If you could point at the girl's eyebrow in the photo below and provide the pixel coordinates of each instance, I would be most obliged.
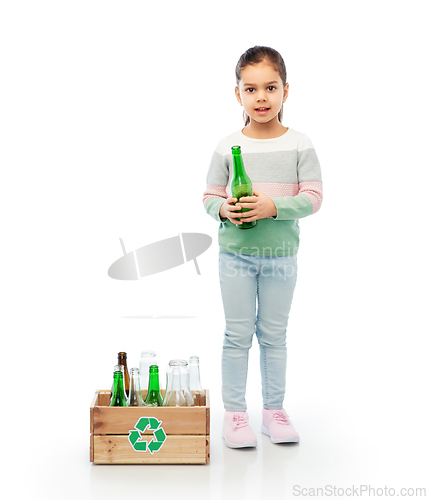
(254, 84)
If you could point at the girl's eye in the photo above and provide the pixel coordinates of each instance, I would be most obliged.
(250, 89)
(271, 88)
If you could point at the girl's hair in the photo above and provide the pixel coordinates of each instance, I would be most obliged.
(255, 55)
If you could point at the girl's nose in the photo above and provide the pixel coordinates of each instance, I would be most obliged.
(261, 96)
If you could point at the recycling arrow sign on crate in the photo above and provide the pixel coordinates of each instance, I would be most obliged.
(151, 424)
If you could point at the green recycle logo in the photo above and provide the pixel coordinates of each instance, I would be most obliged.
(152, 424)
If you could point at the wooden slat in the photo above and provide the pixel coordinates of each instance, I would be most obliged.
(104, 398)
(208, 449)
(94, 403)
(119, 420)
(176, 450)
(91, 448)
(95, 399)
(208, 412)
(101, 396)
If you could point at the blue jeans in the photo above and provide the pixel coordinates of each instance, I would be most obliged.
(247, 282)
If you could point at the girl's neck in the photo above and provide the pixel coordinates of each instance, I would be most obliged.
(264, 131)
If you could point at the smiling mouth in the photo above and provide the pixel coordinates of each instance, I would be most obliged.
(262, 111)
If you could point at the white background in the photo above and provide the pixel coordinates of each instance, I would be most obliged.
(109, 115)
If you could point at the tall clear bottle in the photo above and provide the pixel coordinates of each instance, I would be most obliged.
(197, 391)
(122, 360)
(240, 184)
(154, 398)
(177, 386)
(135, 398)
(118, 397)
(147, 359)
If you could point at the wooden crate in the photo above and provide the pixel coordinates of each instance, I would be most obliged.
(173, 435)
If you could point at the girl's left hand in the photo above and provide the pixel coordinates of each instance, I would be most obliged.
(261, 206)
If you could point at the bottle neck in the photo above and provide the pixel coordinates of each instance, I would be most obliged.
(118, 388)
(134, 380)
(238, 167)
(195, 376)
(240, 178)
(153, 383)
(122, 359)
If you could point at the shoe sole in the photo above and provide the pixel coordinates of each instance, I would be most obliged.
(287, 439)
(246, 444)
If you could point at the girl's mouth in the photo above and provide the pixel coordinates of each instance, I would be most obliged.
(262, 111)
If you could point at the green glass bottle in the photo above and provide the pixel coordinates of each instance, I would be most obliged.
(154, 398)
(118, 397)
(240, 184)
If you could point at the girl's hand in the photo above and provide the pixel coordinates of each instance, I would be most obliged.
(228, 209)
(262, 207)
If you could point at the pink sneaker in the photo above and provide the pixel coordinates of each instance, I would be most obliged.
(276, 424)
(236, 431)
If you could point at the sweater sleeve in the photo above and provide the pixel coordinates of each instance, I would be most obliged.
(217, 180)
(310, 190)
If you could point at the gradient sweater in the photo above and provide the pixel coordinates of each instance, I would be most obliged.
(287, 170)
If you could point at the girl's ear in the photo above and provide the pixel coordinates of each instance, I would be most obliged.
(285, 92)
(237, 93)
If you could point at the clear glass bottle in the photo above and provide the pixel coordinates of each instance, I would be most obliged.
(177, 390)
(135, 398)
(147, 359)
(154, 398)
(118, 397)
(196, 389)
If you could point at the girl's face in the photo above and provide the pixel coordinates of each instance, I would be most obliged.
(261, 92)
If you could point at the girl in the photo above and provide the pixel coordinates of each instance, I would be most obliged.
(258, 266)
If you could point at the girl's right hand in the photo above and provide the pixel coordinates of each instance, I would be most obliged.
(228, 209)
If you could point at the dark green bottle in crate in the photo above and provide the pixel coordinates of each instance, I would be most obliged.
(118, 398)
(154, 398)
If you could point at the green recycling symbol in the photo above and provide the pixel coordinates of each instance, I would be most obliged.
(152, 424)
